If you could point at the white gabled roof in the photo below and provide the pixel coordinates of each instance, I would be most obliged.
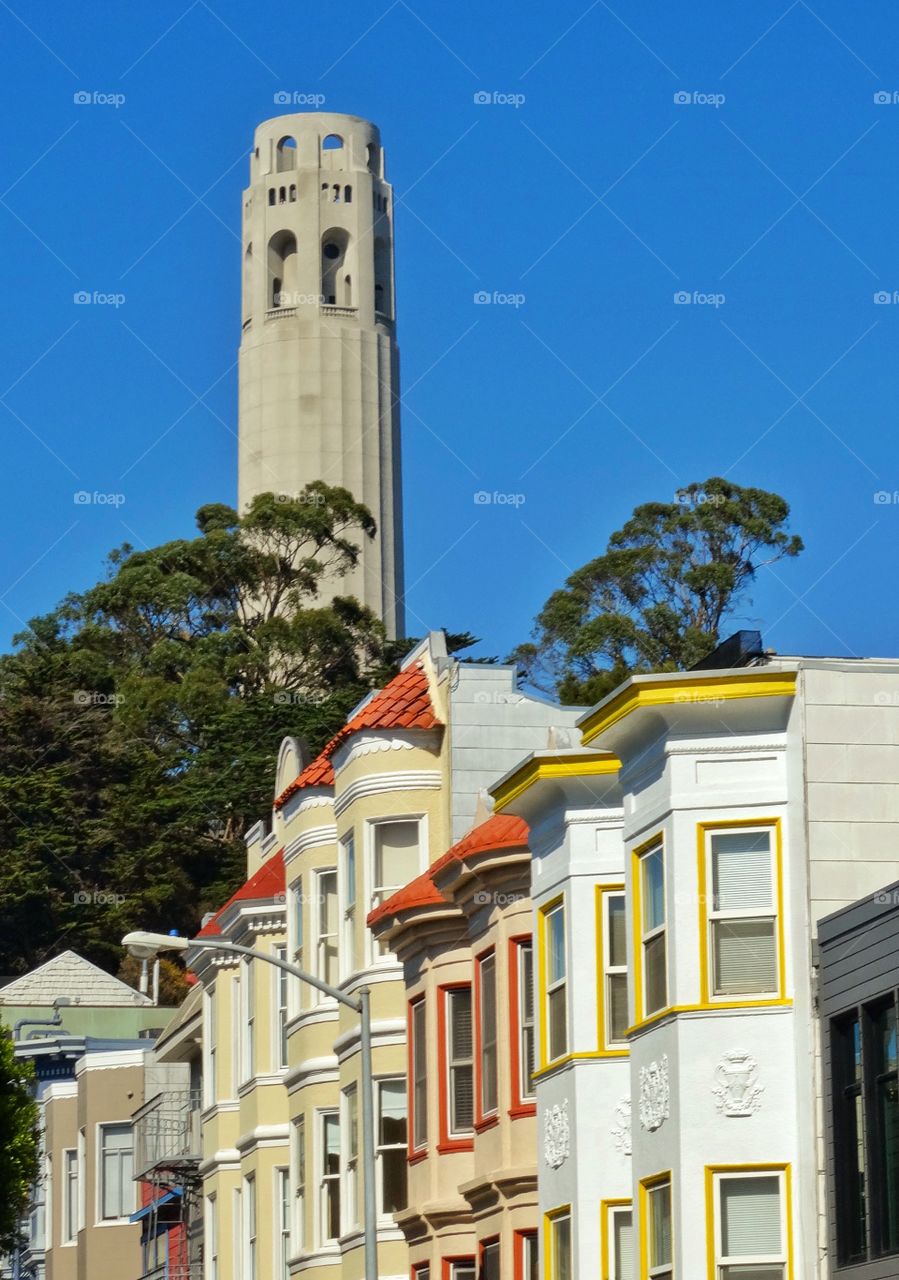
(70, 975)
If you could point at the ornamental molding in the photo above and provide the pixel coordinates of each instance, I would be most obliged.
(748, 749)
(655, 1094)
(366, 744)
(621, 1130)
(556, 1134)
(736, 1087)
(310, 839)
(320, 798)
(378, 783)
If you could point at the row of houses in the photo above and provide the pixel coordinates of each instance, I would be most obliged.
(633, 972)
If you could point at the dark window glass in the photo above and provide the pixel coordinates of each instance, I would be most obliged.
(886, 1094)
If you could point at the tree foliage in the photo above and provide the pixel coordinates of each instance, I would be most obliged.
(139, 722)
(657, 598)
(18, 1142)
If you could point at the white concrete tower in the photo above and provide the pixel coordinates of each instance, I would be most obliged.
(319, 379)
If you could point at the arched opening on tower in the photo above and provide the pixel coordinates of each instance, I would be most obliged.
(372, 156)
(382, 276)
(247, 282)
(348, 195)
(333, 142)
(335, 244)
(282, 270)
(286, 154)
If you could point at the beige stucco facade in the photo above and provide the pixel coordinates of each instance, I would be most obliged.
(319, 382)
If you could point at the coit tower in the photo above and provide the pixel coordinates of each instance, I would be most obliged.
(319, 383)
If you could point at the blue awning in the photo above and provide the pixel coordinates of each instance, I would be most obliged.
(154, 1204)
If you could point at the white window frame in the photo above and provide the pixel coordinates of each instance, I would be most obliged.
(377, 952)
(454, 1063)
(713, 915)
(283, 1233)
(662, 1270)
(418, 1138)
(210, 1239)
(609, 970)
(298, 1157)
(323, 1179)
(68, 1225)
(296, 936)
(558, 984)
(387, 1146)
(82, 1179)
(760, 1260)
(319, 968)
(248, 1020)
(524, 957)
(347, 887)
(237, 1226)
(250, 1228)
(209, 1046)
(280, 1008)
(459, 1269)
(236, 1018)
(488, 1037)
(529, 1251)
(650, 935)
(619, 1211)
(349, 1158)
(100, 1179)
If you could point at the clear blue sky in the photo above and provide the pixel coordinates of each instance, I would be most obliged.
(597, 197)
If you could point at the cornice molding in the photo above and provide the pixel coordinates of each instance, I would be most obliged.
(373, 784)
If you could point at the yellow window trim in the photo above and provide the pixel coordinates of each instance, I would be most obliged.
(707, 1001)
(601, 891)
(711, 1171)
(749, 684)
(644, 1187)
(551, 1068)
(573, 766)
(542, 912)
(564, 1210)
(604, 1234)
(637, 927)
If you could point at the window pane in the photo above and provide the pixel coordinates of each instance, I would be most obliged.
(460, 1023)
(750, 1217)
(393, 1173)
(490, 1262)
(888, 1117)
(660, 1226)
(488, 1035)
(558, 1030)
(530, 1254)
(656, 974)
(751, 1272)
(555, 945)
(884, 1027)
(623, 1245)
(617, 1013)
(331, 1143)
(349, 846)
(561, 1249)
(327, 887)
(393, 1111)
(741, 870)
(653, 890)
(744, 955)
(617, 927)
(396, 853)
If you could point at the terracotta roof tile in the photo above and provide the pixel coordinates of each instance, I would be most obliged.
(268, 882)
(404, 703)
(502, 831)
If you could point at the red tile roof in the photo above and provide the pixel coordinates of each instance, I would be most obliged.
(268, 882)
(502, 831)
(404, 703)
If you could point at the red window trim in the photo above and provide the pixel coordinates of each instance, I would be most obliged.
(415, 1153)
(445, 1142)
(467, 1258)
(484, 1120)
(418, 1268)
(518, 1241)
(520, 1106)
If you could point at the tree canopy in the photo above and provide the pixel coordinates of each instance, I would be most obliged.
(656, 599)
(18, 1142)
(139, 722)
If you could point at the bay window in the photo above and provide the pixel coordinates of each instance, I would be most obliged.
(392, 1149)
(348, 913)
(524, 1059)
(487, 1046)
(280, 979)
(116, 1171)
(742, 871)
(613, 977)
(419, 1059)
(329, 1177)
(395, 860)
(326, 931)
(459, 1064)
(750, 1225)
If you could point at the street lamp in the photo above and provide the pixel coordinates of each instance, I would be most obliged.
(145, 946)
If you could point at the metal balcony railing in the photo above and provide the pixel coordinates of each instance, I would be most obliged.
(167, 1132)
(175, 1271)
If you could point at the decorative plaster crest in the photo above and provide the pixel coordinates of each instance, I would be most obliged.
(621, 1131)
(366, 744)
(655, 1094)
(556, 1134)
(736, 1088)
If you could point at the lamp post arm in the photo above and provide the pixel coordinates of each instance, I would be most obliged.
(211, 944)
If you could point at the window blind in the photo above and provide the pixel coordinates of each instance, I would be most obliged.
(741, 870)
(745, 954)
(750, 1217)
